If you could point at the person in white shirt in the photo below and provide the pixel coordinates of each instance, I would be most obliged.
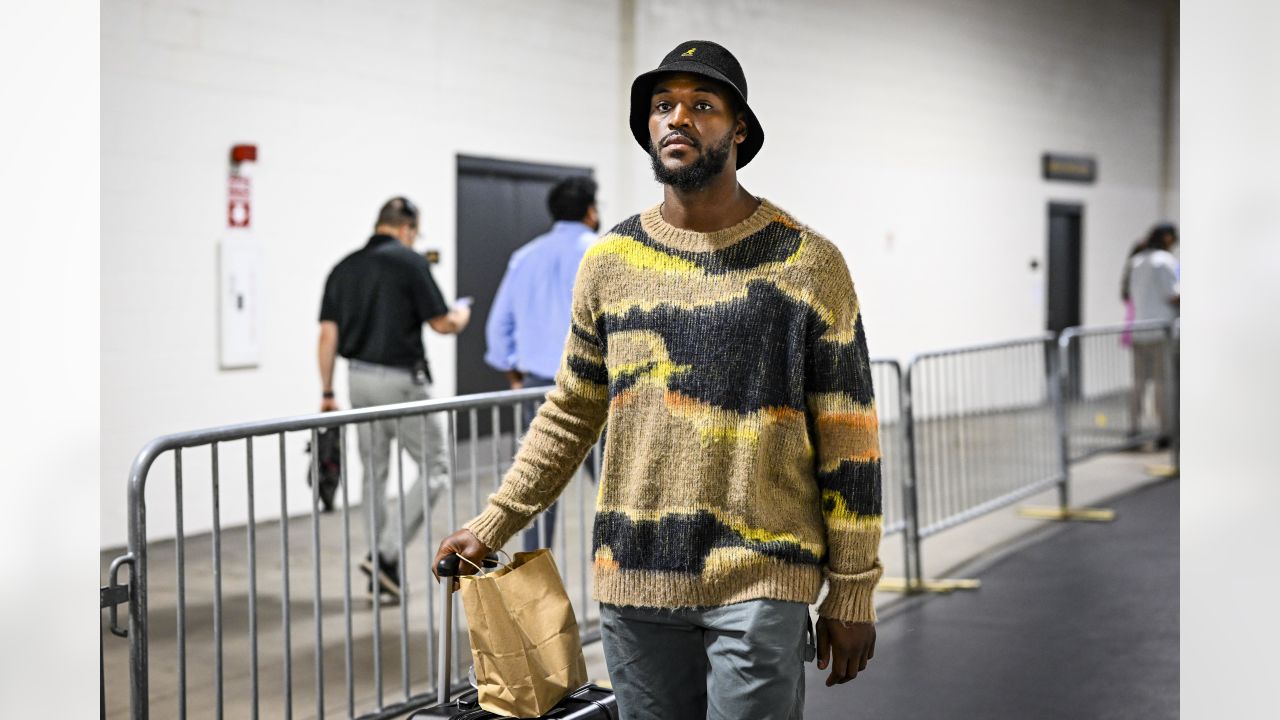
(1153, 286)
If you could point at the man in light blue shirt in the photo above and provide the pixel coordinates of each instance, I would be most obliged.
(529, 320)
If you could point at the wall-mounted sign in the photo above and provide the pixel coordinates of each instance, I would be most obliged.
(238, 201)
(239, 187)
(240, 292)
(1073, 168)
(239, 269)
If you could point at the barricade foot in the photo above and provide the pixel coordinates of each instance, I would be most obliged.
(944, 585)
(1041, 512)
(1162, 471)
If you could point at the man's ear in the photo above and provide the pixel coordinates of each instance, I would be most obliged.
(740, 128)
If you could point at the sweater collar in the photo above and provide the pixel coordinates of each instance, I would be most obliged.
(667, 234)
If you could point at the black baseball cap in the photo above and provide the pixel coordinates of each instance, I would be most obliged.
(710, 60)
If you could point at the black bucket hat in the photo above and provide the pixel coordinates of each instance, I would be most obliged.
(698, 57)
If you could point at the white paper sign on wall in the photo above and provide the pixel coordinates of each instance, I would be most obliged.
(239, 268)
(240, 271)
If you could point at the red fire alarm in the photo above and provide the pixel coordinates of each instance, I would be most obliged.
(244, 153)
(239, 187)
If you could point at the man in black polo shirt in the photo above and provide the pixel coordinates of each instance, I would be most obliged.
(375, 302)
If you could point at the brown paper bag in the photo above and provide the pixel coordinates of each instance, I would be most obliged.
(524, 636)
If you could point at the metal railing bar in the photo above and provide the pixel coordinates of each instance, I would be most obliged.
(316, 599)
(182, 584)
(961, 381)
(348, 651)
(952, 471)
(425, 469)
(582, 540)
(588, 531)
(217, 584)
(253, 580)
(1173, 389)
(139, 688)
(1033, 339)
(562, 512)
(925, 441)
(1061, 395)
(944, 475)
(115, 594)
(1083, 331)
(452, 418)
(1027, 421)
(401, 569)
(473, 432)
(371, 499)
(240, 431)
(284, 583)
(910, 479)
(1121, 371)
(495, 420)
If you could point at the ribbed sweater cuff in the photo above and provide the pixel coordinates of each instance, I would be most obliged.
(851, 597)
(495, 526)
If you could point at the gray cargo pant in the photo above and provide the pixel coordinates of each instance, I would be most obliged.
(381, 385)
(721, 663)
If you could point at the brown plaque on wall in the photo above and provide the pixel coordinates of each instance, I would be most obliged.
(1073, 168)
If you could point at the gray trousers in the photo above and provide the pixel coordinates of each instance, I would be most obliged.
(724, 663)
(380, 385)
(1149, 367)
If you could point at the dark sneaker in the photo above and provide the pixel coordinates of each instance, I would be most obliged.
(387, 576)
(1163, 443)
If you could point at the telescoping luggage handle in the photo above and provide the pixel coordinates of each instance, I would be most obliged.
(448, 568)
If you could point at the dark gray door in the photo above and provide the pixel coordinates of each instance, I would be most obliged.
(1066, 227)
(502, 205)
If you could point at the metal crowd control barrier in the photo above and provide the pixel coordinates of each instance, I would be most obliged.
(980, 426)
(1106, 372)
(235, 457)
(238, 695)
(886, 380)
(964, 432)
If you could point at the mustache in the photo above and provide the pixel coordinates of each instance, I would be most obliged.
(681, 133)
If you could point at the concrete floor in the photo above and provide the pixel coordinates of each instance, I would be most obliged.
(1093, 481)
(1079, 620)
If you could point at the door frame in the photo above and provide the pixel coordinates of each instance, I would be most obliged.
(477, 165)
(1070, 207)
(1053, 360)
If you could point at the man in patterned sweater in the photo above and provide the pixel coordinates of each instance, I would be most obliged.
(720, 339)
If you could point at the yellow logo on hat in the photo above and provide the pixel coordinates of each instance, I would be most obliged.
(688, 52)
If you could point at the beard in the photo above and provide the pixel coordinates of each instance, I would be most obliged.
(698, 175)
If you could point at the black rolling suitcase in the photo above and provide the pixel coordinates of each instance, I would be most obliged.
(589, 702)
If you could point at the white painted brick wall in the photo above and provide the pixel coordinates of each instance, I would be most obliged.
(909, 133)
(349, 104)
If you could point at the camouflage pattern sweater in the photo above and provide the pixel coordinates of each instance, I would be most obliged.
(743, 456)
